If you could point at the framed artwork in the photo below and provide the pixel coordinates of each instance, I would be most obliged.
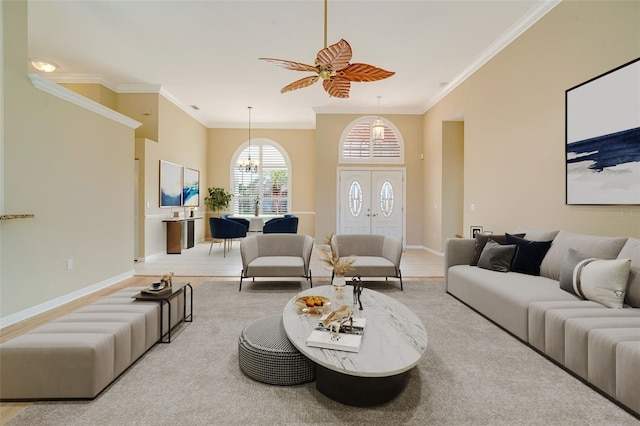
(191, 187)
(476, 230)
(170, 184)
(602, 133)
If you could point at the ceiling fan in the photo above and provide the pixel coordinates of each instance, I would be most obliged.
(333, 66)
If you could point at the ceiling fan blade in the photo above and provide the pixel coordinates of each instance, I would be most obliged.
(337, 55)
(364, 72)
(337, 87)
(290, 65)
(300, 84)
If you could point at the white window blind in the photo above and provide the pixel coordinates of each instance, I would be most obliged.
(269, 186)
(358, 145)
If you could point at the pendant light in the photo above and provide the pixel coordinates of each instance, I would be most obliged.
(249, 166)
(378, 127)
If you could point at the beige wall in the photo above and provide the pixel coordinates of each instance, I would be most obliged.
(329, 128)
(299, 145)
(142, 107)
(94, 91)
(453, 179)
(74, 171)
(514, 167)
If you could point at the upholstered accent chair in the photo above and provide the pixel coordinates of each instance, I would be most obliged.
(281, 225)
(226, 230)
(276, 255)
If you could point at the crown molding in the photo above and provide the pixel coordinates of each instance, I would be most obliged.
(58, 91)
(80, 79)
(138, 88)
(531, 17)
(123, 88)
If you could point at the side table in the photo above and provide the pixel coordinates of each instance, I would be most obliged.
(177, 289)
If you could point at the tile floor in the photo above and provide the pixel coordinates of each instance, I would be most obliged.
(415, 263)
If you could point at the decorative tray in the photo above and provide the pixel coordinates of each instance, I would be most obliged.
(312, 305)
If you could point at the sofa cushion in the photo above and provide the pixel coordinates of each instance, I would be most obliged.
(578, 334)
(628, 374)
(602, 365)
(529, 254)
(372, 266)
(594, 246)
(536, 234)
(497, 257)
(631, 250)
(538, 314)
(556, 320)
(276, 266)
(481, 241)
(56, 365)
(505, 297)
(359, 245)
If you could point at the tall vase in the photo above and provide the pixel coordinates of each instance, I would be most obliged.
(338, 285)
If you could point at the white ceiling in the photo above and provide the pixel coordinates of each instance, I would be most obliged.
(205, 53)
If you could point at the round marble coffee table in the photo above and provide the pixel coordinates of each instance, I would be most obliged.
(393, 342)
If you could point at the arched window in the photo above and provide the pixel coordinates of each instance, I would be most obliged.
(357, 144)
(268, 186)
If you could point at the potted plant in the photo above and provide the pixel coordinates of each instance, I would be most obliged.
(217, 199)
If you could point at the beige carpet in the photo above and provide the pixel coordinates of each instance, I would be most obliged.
(473, 373)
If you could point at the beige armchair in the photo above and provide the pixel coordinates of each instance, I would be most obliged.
(375, 255)
(276, 255)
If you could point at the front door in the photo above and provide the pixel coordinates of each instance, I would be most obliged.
(371, 201)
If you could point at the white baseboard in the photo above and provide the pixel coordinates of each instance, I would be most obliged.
(59, 301)
(432, 251)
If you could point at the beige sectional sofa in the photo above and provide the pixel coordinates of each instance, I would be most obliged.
(78, 355)
(276, 255)
(597, 343)
(375, 255)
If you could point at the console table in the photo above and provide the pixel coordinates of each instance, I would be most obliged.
(175, 241)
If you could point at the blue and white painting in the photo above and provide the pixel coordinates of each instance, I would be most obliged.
(191, 188)
(603, 139)
(170, 184)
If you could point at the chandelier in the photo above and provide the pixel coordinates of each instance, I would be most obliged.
(378, 127)
(247, 165)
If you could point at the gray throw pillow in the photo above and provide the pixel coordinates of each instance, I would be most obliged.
(481, 241)
(572, 260)
(497, 257)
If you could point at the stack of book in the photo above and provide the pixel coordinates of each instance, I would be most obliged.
(154, 290)
(349, 338)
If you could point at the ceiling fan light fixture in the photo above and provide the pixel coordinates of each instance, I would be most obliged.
(43, 65)
(378, 127)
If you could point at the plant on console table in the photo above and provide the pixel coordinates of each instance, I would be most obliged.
(339, 266)
(217, 199)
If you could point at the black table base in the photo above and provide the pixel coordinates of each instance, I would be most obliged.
(359, 391)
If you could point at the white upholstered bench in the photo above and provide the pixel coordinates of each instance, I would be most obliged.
(80, 354)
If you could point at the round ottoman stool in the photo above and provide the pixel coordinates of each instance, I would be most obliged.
(265, 354)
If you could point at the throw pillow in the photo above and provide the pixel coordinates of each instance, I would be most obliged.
(496, 257)
(572, 260)
(481, 240)
(529, 254)
(598, 280)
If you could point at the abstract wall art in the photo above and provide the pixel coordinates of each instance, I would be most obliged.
(170, 184)
(603, 138)
(191, 188)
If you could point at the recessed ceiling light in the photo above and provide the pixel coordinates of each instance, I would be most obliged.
(195, 107)
(443, 84)
(43, 65)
